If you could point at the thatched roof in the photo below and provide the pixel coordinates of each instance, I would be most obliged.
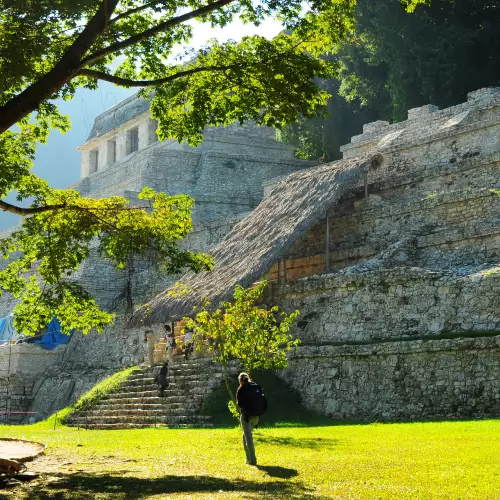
(254, 245)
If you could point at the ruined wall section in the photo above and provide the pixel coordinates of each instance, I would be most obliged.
(389, 304)
(405, 321)
(447, 378)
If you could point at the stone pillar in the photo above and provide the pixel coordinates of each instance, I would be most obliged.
(111, 151)
(144, 133)
(121, 145)
(84, 168)
(102, 155)
(152, 126)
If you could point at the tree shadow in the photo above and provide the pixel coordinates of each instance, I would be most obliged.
(82, 486)
(298, 442)
(277, 471)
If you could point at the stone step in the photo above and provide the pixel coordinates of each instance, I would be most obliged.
(153, 391)
(163, 407)
(136, 403)
(192, 381)
(140, 419)
(138, 412)
(104, 426)
(150, 400)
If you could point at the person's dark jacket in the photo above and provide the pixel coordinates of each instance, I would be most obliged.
(245, 397)
(161, 378)
(242, 396)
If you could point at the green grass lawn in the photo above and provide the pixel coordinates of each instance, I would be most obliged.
(452, 460)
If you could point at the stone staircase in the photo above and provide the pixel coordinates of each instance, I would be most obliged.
(136, 403)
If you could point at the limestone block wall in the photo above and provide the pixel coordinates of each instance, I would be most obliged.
(396, 344)
(441, 176)
(390, 304)
(404, 323)
(222, 184)
(459, 229)
(448, 378)
(21, 367)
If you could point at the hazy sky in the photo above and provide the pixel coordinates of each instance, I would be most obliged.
(58, 162)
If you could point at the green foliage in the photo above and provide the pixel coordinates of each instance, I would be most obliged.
(320, 138)
(491, 272)
(50, 48)
(241, 92)
(257, 336)
(55, 242)
(98, 392)
(391, 61)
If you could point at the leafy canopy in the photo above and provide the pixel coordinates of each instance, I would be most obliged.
(392, 62)
(49, 48)
(256, 335)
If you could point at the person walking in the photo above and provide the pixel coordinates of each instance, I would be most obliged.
(188, 344)
(161, 379)
(253, 403)
(150, 338)
(171, 345)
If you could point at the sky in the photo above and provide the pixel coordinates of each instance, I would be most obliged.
(58, 162)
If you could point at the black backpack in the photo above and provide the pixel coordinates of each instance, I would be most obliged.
(255, 400)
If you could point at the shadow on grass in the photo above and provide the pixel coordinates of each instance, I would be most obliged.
(298, 443)
(88, 486)
(277, 471)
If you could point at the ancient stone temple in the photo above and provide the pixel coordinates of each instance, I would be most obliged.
(225, 176)
(392, 255)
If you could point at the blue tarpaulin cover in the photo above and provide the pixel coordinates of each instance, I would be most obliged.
(7, 330)
(54, 336)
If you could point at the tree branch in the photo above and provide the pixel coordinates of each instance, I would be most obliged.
(24, 211)
(125, 82)
(41, 90)
(139, 37)
(132, 11)
(8, 207)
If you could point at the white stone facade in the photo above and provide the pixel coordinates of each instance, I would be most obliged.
(104, 151)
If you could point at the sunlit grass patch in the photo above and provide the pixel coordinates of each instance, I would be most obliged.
(445, 460)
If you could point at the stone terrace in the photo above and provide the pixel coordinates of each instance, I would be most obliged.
(137, 402)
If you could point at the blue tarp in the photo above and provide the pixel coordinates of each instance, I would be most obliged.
(7, 330)
(49, 340)
(54, 336)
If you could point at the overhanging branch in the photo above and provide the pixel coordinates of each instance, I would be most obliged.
(144, 35)
(8, 207)
(30, 98)
(126, 82)
(24, 211)
(128, 13)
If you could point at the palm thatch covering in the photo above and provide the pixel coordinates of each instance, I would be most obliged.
(254, 245)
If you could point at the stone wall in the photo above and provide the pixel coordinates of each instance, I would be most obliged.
(21, 367)
(448, 378)
(390, 304)
(402, 320)
(88, 360)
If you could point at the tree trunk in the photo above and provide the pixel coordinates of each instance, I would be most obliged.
(46, 86)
